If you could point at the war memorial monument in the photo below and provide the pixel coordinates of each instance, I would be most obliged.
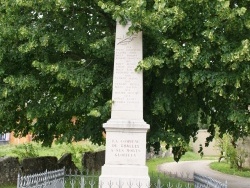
(125, 160)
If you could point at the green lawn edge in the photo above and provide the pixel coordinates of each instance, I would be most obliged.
(225, 168)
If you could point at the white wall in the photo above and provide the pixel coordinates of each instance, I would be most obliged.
(211, 150)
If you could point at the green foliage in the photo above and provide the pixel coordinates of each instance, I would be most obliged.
(77, 151)
(234, 155)
(56, 62)
(25, 151)
(53, 58)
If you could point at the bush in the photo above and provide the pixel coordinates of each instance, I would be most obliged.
(25, 151)
(233, 155)
(77, 151)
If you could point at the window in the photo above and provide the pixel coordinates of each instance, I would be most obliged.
(2, 137)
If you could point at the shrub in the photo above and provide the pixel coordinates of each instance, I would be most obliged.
(25, 151)
(234, 155)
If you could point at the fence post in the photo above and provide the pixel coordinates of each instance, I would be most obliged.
(18, 180)
(82, 181)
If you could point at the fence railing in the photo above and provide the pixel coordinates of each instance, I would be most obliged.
(201, 181)
(47, 179)
(76, 179)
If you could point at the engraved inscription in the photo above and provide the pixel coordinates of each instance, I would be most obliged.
(127, 83)
(125, 148)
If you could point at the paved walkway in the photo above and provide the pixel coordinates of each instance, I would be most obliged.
(202, 167)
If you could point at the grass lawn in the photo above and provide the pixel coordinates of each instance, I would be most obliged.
(225, 168)
(165, 179)
(8, 186)
(155, 175)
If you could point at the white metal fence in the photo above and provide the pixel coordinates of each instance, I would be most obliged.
(47, 179)
(76, 179)
(59, 179)
(201, 181)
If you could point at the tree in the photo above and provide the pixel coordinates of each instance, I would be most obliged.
(57, 61)
(54, 58)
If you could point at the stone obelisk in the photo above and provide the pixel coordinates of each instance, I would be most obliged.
(125, 160)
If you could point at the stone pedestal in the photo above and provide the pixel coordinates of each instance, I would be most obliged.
(125, 154)
(125, 160)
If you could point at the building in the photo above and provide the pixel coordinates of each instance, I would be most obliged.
(9, 138)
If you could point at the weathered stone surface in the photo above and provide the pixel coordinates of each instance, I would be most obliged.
(66, 161)
(244, 150)
(9, 167)
(39, 164)
(93, 160)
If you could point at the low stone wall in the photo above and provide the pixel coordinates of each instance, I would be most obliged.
(66, 162)
(38, 164)
(93, 161)
(9, 167)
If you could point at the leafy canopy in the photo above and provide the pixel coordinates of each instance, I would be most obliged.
(56, 62)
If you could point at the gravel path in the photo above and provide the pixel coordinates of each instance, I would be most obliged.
(202, 167)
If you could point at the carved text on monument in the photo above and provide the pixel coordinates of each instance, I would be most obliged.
(125, 148)
(126, 80)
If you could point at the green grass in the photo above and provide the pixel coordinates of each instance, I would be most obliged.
(165, 180)
(155, 175)
(225, 168)
(8, 186)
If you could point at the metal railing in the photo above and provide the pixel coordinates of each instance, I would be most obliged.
(76, 179)
(47, 179)
(201, 181)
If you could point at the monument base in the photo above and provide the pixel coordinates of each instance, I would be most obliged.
(125, 161)
(125, 176)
